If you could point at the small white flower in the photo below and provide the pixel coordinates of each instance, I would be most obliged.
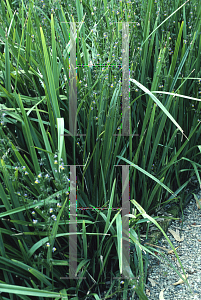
(35, 221)
(90, 64)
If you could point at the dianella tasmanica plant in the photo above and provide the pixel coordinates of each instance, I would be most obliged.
(86, 87)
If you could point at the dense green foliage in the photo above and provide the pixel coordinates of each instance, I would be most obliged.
(163, 153)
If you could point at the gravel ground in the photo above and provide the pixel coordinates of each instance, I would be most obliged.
(189, 251)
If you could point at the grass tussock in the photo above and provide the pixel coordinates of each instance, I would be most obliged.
(37, 150)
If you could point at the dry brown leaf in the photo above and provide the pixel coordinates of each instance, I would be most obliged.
(198, 202)
(161, 297)
(180, 280)
(157, 246)
(178, 264)
(171, 251)
(176, 235)
(153, 283)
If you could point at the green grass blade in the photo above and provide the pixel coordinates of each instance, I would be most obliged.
(51, 84)
(158, 103)
(21, 290)
(47, 144)
(146, 173)
(61, 144)
(28, 135)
